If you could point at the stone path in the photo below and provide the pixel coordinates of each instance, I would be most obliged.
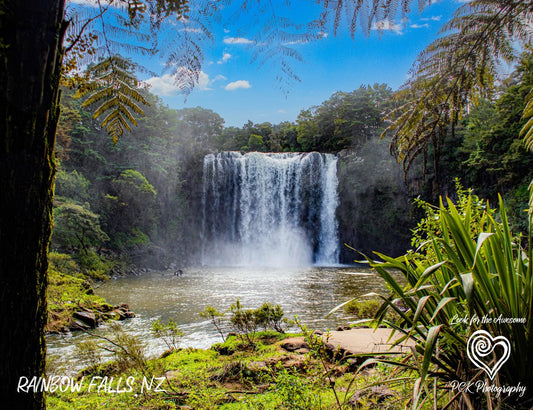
(355, 341)
(363, 340)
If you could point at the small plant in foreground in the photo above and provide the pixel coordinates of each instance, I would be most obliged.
(89, 352)
(169, 332)
(296, 392)
(270, 316)
(216, 318)
(244, 321)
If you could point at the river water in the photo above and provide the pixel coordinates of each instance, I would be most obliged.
(309, 293)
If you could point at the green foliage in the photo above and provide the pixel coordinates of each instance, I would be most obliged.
(244, 322)
(134, 182)
(429, 226)
(112, 86)
(169, 332)
(72, 185)
(69, 291)
(76, 227)
(270, 317)
(134, 199)
(247, 321)
(216, 319)
(89, 352)
(295, 392)
(346, 120)
(127, 349)
(455, 274)
(255, 143)
(94, 266)
(363, 309)
(454, 72)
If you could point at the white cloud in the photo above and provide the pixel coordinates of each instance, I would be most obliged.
(219, 77)
(387, 25)
(281, 111)
(432, 18)
(290, 43)
(167, 85)
(203, 81)
(164, 85)
(225, 57)
(425, 25)
(237, 84)
(237, 40)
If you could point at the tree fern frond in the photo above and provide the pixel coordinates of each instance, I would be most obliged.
(112, 85)
(454, 70)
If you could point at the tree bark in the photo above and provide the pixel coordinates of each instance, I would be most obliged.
(31, 36)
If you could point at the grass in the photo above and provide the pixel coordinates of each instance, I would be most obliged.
(266, 377)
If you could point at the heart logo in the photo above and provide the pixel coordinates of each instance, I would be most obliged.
(481, 344)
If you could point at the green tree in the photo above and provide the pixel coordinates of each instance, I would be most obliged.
(307, 129)
(255, 143)
(131, 209)
(72, 185)
(201, 127)
(76, 227)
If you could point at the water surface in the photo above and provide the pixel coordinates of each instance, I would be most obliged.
(309, 293)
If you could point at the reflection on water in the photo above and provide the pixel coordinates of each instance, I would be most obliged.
(309, 293)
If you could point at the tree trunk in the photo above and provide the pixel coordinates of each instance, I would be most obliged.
(31, 36)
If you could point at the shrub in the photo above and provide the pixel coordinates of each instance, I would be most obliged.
(270, 317)
(244, 322)
(169, 332)
(216, 319)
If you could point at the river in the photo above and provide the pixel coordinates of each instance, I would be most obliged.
(309, 293)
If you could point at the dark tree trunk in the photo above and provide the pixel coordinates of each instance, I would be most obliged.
(31, 35)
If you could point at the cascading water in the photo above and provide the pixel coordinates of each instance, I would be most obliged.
(265, 209)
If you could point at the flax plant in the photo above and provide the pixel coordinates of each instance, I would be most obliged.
(470, 274)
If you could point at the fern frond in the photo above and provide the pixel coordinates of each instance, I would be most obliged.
(456, 69)
(112, 85)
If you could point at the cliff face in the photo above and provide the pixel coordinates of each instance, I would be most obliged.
(375, 211)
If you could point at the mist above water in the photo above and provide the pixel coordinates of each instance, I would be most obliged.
(269, 209)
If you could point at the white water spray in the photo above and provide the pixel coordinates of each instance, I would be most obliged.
(264, 209)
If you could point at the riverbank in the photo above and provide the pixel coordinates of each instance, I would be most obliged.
(233, 375)
(71, 300)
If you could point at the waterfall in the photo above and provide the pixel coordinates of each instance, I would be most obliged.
(266, 209)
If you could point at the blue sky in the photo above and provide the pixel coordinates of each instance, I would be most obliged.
(240, 90)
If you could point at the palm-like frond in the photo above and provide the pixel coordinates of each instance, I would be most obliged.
(114, 90)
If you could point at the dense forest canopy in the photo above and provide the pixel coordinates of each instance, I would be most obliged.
(141, 196)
